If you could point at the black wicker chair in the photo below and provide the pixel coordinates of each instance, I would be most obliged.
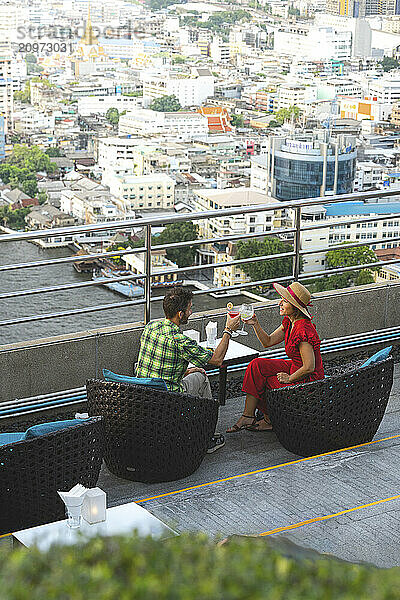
(31, 472)
(341, 410)
(152, 435)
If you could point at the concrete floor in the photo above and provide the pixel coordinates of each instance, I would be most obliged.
(289, 494)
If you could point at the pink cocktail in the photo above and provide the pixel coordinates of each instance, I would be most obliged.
(233, 313)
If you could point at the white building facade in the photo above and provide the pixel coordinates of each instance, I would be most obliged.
(190, 91)
(182, 125)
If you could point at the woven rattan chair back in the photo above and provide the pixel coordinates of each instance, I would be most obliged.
(31, 472)
(336, 412)
(152, 435)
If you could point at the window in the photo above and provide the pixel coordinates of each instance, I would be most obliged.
(357, 236)
(252, 229)
(252, 220)
(158, 203)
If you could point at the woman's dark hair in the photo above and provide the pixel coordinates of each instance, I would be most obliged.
(298, 314)
(175, 300)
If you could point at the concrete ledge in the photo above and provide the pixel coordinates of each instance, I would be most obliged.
(66, 361)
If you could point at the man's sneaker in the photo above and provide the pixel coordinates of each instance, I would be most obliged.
(216, 442)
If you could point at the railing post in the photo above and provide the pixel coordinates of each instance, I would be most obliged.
(147, 280)
(296, 245)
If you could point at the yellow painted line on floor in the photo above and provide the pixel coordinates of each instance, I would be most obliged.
(326, 517)
(5, 535)
(293, 462)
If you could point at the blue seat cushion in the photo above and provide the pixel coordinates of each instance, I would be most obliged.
(10, 438)
(378, 356)
(153, 382)
(52, 427)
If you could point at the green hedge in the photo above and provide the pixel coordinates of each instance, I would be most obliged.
(189, 567)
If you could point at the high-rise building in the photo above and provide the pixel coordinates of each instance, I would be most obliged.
(6, 92)
(346, 8)
(305, 166)
(363, 8)
(2, 139)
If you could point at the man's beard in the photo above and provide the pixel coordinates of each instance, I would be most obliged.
(184, 320)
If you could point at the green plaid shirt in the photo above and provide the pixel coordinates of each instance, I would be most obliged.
(166, 352)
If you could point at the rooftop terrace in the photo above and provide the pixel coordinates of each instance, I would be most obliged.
(344, 503)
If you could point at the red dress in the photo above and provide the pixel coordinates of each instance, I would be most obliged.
(261, 373)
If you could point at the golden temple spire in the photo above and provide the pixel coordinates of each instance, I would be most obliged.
(89, 38)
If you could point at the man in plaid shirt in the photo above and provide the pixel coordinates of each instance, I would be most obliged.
(166, 352)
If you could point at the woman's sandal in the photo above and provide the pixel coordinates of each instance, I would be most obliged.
(235, 428)
(255, 426)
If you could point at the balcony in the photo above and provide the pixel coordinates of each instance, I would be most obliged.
(344, 503)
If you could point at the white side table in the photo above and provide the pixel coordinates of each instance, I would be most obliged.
(120, 520)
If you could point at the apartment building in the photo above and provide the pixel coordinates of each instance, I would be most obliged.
(295, 95)
(89, 105)
(159, 263)
(211, 199)
(220, 50)
(96, 206)
(183, 125)
(342, 228)
(117, 153)
(369, 175)
(31, 120)
(385, 89)
(361, 109)
(6, 92)
(315, 43)
(132, 192)
(190, 90)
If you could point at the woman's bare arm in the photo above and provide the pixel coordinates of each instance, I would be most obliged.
(266, 340)
(308, 358)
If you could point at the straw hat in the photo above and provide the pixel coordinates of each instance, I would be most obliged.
(296, 294)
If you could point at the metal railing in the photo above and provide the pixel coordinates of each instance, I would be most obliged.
(296, 254)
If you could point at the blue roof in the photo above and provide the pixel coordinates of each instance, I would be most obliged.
(346, 209)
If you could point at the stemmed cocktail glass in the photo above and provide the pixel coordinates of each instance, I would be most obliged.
(246, 312)
(233, 312)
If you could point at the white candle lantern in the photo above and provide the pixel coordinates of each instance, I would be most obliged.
(94, 506)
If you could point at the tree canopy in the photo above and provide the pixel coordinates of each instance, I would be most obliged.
(269, 268)
(173, 232)
(237, 120)
(286, 114)
(166, 104)
(180, 232)
(24, 96)
(346, 257)
(21, 167)
(15, 219)
(54, 152)
(112, 116)
(389, 63)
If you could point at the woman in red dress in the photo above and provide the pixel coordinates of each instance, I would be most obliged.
(302, 346)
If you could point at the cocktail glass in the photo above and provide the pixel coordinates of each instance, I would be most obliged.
(234, 312)
(246, 312)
